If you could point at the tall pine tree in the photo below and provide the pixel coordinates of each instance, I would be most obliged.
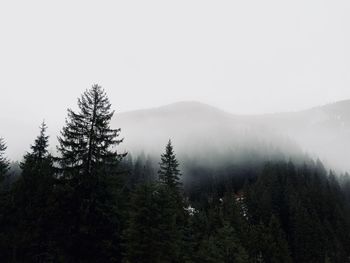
(87, 141)
(89, 162)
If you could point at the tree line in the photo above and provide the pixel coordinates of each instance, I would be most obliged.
(91, 203)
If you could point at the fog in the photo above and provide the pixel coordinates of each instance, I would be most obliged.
(212, 137)
(254, 96)
(247, 58)
(208, 135)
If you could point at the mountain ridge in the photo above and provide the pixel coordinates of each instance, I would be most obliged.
(322, 131)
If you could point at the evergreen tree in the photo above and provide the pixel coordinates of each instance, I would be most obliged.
(38, 163)
(39, 149)
(154, 233)
(86, 142)
(89, 162)
(32, 201)
(169, 173)
(170, 207)
(4, 163)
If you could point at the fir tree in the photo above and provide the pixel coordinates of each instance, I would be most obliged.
(39, 149)
(171, 207)
(86, 142)
(89, 163)
(4, 163)
(169, 173)
(38, 162)
(32, 197)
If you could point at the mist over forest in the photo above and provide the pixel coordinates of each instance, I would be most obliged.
(209, 133)
(212, 134)
(185, 182)
(175, 131)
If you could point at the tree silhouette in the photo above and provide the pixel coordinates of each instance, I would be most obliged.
(4, 163)
(169, 173)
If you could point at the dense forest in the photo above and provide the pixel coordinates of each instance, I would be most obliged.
(90, 203)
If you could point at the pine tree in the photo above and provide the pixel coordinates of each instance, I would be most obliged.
(171, 207)
(86, 142)
(169, 173)
(38, 162)
(89, 162)
(32, 196)
(37, 166)
(39, 149)
(4, 163)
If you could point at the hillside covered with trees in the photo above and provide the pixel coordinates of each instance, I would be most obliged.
(91, 203)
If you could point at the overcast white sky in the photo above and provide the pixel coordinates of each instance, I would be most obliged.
(242, 56)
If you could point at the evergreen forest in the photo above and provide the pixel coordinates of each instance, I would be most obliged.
(89, 202)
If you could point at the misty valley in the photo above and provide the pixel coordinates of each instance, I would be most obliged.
(185, 182)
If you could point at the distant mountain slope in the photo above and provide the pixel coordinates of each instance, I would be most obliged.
(205, 131)
(324, 130)
(202, 133)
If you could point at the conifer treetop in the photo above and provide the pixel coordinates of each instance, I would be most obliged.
(39, 148)
(169, 173)
(87, 140)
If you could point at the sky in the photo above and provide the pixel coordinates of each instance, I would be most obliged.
(242, 56)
